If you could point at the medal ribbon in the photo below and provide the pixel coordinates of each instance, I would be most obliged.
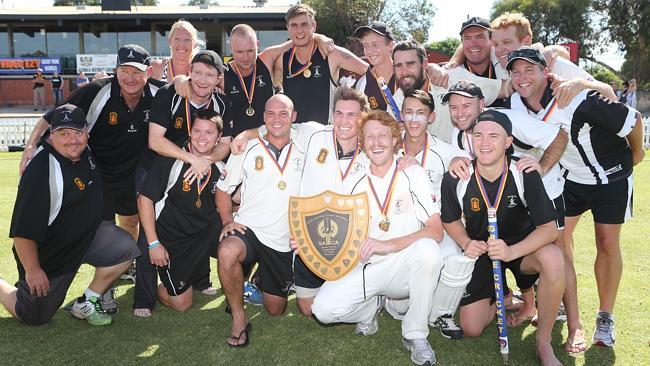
(388, 96)
(342, 174)
(304, 67)
(389, 194)
(280, 168)
(469, 144)
(502, 185)
(489, 71)
(201, 183)
(550, 111)
(251, 87)
(425, 149)
(187, 120)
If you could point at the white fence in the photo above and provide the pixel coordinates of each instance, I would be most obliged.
(14, 131)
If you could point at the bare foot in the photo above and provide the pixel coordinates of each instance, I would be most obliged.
(575, 342)
(525, 314)
(546, 355)
(142, 313)
(239, 334)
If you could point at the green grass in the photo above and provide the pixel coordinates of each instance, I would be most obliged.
(198, 336)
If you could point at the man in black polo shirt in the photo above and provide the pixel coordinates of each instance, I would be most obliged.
(117, 110)
(605, 142)
(526, 220)
(57, 225)
(180, 220)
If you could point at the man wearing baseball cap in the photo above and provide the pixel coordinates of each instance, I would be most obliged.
(57, 225)
(169, 133)
(606, 142)
(526, 220)
(117, 109)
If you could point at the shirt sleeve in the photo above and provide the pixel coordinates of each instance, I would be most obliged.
(234, 171)
(161, 108)
(539, 205)
(599, 111)
(568, 70)
(451, 209)
(155, 183)
(530, 130)
(227, 116)
(32, 208)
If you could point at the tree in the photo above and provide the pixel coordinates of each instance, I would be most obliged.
(447, 46)
(628, 23)
(339, 18)
(99, 2)
(201, 2)
(557, 21)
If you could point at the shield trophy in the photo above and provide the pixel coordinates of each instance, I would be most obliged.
(329, 229)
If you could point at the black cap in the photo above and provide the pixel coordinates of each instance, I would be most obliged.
(375, 26)
(464, 88)
(530, 54)
(67, 116)
(133, 55)
(475, 22)
(209, 57)
(496, 117)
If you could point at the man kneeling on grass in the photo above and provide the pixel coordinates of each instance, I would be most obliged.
(57, 225)
(179, 216)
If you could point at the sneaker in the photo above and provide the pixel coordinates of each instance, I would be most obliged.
(91, 310)
(252, 294)
(447, 326)
(421, 351)
(108, 302)
(560, 317)
(368, 329)
(129, 275)
(605, 335)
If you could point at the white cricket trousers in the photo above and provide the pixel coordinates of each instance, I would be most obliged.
(410, 273)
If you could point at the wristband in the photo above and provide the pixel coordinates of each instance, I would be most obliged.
(153, 244)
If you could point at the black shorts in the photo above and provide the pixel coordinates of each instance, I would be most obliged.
(274, 272)
(304, 277)
(560, 211)
(110, 246)
(481, 286)
(186, 260)
(609, 203)
(121, 200)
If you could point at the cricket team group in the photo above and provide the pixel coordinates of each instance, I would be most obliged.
(194, 159)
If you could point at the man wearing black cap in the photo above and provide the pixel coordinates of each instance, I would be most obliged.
(606, 141)
(526, 226)
(118, 110)
(56, 227)
(169, 132)
(475, 36)
(378, 83)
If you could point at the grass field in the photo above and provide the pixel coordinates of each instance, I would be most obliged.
(198, 336)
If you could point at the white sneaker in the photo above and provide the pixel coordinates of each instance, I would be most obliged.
(367, 329)
(90, 310)
(605, 334)
(421, 351)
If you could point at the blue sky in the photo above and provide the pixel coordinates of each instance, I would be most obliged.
(446, 22)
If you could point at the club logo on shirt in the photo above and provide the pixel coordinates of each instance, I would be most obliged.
(434, 198)
(91, 162)
(112, 118)
(512, 201)
(132, 128)
(317, 73)
(399, 207)
(260, 82)
(431, 175)
(146, 112)
(298, 163)
(80, 184)
(475, 204)
(259, 163)
(373, 102)
(178, 124)
(322, 156)
(181, 284)
(214, 188)
(234, 90)
(186, 186)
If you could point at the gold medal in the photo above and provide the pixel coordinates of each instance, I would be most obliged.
(307, 73)
(282, 185)
(250, 111)
(384, 224)
(198, 203)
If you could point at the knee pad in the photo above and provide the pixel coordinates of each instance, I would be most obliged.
(455, 275)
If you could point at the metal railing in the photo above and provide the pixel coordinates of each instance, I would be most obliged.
(14, 131)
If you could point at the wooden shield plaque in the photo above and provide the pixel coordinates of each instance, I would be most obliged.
(329, 229)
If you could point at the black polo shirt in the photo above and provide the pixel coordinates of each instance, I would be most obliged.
(118, 135)
(179, 220)
(234, 90)
(521, 209)
(58, 205)
(370, 87)
(169, 110)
